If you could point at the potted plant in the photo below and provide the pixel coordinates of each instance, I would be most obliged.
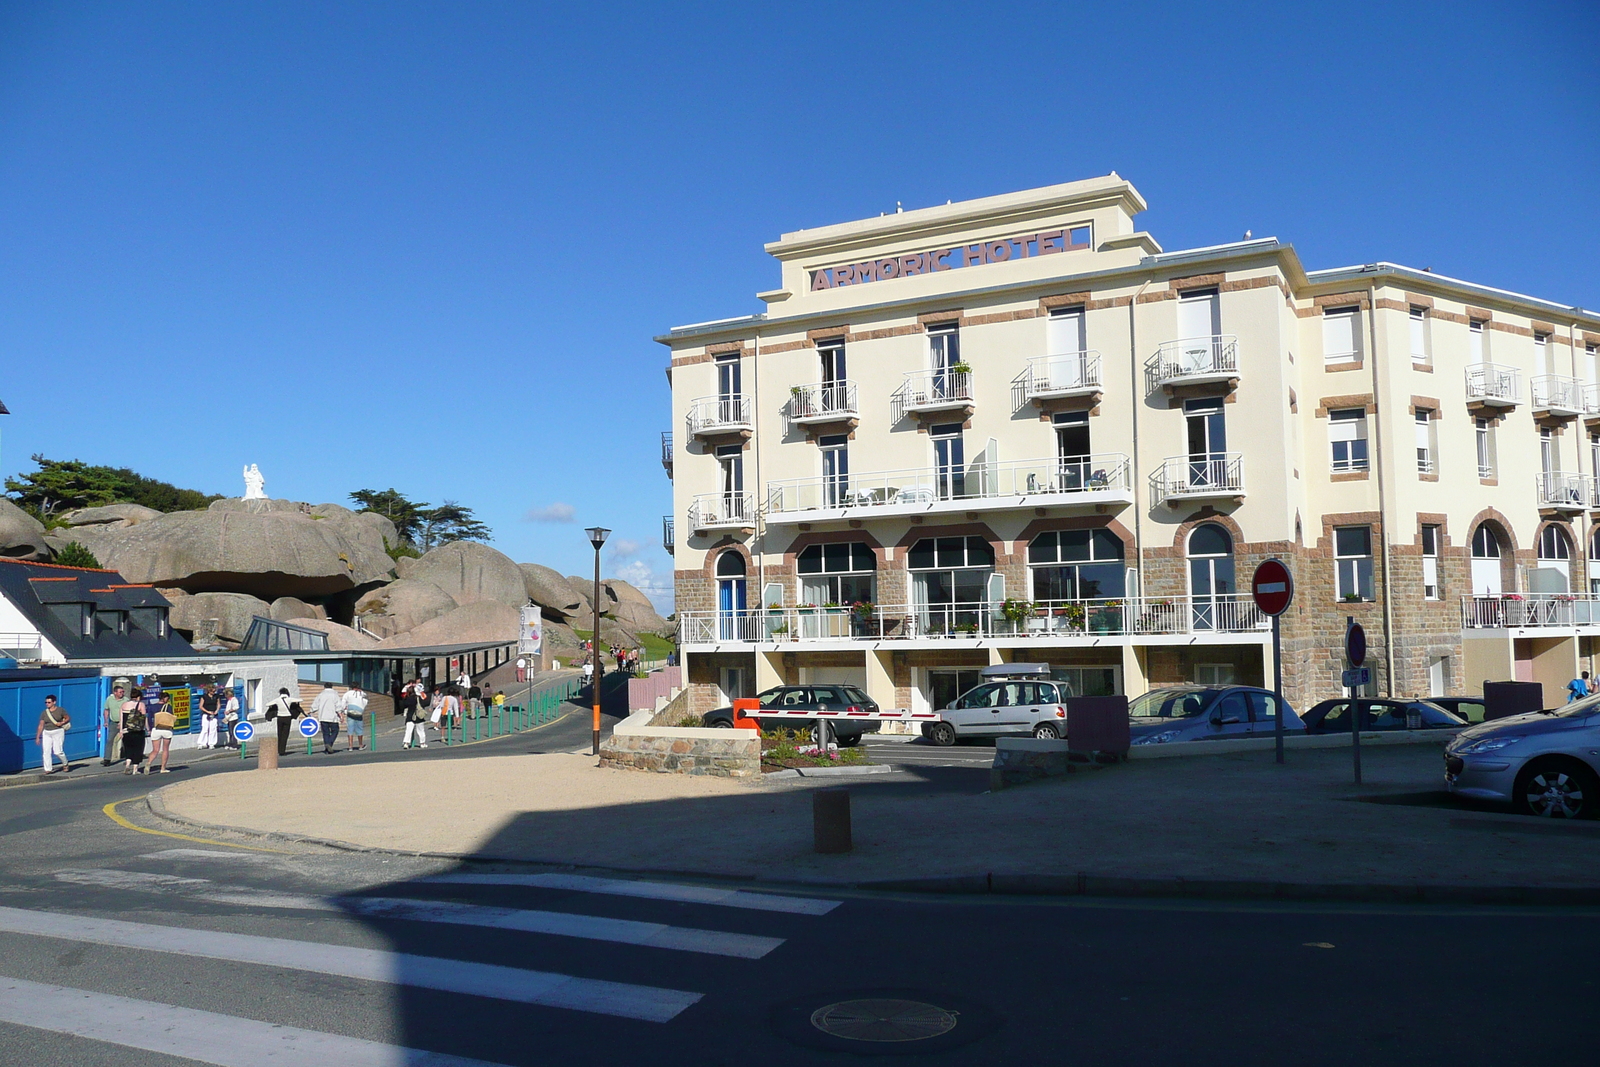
(1351, 598)
(962, 367)
(1016, 610)
(968, 628)
(863, 609)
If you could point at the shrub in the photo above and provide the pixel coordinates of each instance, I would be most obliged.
(73, 554)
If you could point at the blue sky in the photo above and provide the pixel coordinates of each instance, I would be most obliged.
(426, 245)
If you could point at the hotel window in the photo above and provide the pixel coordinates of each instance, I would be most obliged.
(1549, 453)
(730, 460)
(1072, 449)
(1477, 342)
(951, 578)
(1427, 451)
(1347, 432)
(949, 459)
(835, 469)
(839, 573)
(1430, 563)
(1544, 356)
(944, 357)
(1341, 334)
(834, 389)
(1419, 334)
(1591, 359)
(1594, 456)
(1077, 565)
(1486, 448)
(1352, 552)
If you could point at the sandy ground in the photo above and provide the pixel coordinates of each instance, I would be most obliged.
(1226, 817)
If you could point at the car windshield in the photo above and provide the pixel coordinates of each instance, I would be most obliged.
(1170, 704)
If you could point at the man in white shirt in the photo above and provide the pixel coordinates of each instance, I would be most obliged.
(326, 711)
(355, 713)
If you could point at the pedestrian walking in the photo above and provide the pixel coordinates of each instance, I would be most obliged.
(588, 671)
(355, 714)
(132, 724)
(1579, 688)
(474, 701)
(416, 717)
(161, 728)
(52, 734)
(282, 714)
(500, 698)
(329, 717)
(210, 713)
(113, 722)
(230, 719)
(522, 669)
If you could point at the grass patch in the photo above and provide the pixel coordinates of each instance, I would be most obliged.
(783, 748)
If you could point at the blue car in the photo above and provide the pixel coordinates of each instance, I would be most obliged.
(1206, 713)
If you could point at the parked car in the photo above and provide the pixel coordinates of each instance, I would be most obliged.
(1543, 763)
(1469, 708)
(1200, 713)
(1030, 703)
(809, 698)
(1333, 716)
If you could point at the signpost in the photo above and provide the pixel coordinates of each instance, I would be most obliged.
(309, 728)
(530, 645)
(1272, 587)
(1355, 650)
(242, 733)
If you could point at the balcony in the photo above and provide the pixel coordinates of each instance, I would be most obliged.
(814, 405)
(1199, 477)
(1193, 361)
(669, 539)
(1513, 611)
(1565, 490)
(22, 647)
(716, 511)
(932, 392)
(1057, 377)
(1558, 396)
(1494, 384)
(979, 486)
(718, 416)
(666, 452)
(1013, 622)
(1591, 400)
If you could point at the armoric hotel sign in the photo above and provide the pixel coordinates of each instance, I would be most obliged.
(1023, 246)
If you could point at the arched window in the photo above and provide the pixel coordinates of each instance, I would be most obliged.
(1212, 587)
(1077, 565)
(838, 573)
(1554, 543)
(1485, 545)
(730, 565)
(1554, 572)
(734, 620)
(1486, 572)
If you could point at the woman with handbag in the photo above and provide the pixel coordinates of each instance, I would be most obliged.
(161, 732)
(132, 733)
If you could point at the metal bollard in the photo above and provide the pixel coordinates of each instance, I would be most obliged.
(830, 820)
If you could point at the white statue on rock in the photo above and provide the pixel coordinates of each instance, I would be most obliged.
(254, 483)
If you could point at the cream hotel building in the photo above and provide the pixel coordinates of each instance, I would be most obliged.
(1017, 429)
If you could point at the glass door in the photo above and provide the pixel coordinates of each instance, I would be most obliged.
(949, 458)
(1064, 346)
(731, 460)
(730, 392)
(833, 378)
(1198, 325)
(1072, 449)
(944, 353)
(1208, 440)
(835, 470)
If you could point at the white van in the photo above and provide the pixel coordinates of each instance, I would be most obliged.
(1012, 700)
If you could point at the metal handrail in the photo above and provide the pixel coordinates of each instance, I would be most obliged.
(669, 539)
(1591, 399)
(1062, 372)
(710, 413)
(666, 449)
(1203, 474)
(1045, 621)
(1192, 357)
(1557, 392)
(721, 509)
(1494, 381)
(1103, 472)
(1564, 489)
(929, 389)
(822, 400)
(1502, 611)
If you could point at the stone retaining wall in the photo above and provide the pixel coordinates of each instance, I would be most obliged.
(682, 750)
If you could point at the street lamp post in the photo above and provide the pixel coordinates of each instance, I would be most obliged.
(597, 538)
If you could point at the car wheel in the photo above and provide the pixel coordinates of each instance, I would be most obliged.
(942, 734)
(721, 724)
(1557, 789)
(1046, 731)
(849, 741)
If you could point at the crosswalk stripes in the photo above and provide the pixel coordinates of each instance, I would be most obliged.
(202, 1036)
(687, 894)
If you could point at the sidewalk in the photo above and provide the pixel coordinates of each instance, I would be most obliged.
(1220, 825)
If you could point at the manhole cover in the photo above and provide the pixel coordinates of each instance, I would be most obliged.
(887, 1019)
(884, 1021)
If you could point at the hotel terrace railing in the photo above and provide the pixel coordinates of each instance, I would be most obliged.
(931, 391)
(1591, 399)
(1558, 395)
(721, 509)
(823, 402)
(1055, 478)
(1192, 359)
(1565, 490)
(1206, 475)
(666, 451)
(1517, 611)
(1052, 621)
(1064, 374)
(719, 414)
(669, 538)
(24, 648)
(1494, 383)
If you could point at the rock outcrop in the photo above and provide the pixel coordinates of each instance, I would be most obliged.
(21, 535)
(471, 573)
(224, 615)
(111, 515)
(292, 609)
(632, 608)
(402, 605)
(485, 620)
(548, 589)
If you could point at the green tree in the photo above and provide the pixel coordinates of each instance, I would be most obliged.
(405, 514)
(63, 485)
(73, 554)
(451, 522)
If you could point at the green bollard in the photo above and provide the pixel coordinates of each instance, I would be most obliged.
(242, 746)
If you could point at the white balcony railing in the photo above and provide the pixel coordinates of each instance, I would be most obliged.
(1204, 475)
(1558, 395)
(1494, 383)
(669, 538)
(711, 510)
(1566, 490)
(1591, 399)
(719, 414)
(22, 647)
(1516, 611)
(1192, 359)
(823, 402)
(1063, 374)
(1029, 482)
(1051, 621)
(666, 451)
(932, 391)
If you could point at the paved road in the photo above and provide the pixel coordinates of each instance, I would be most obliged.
(122, 946)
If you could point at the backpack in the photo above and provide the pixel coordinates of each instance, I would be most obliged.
(133, 721)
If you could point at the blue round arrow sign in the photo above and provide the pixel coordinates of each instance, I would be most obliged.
(309, 727)
(243, 731)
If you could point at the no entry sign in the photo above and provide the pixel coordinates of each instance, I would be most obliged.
(1272, 587)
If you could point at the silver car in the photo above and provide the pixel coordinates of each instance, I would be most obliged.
(1544, 763)
(1013, 708)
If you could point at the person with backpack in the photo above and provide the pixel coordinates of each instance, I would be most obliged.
(51, 736)
(354, 706)
(282, 714)
(132, 733)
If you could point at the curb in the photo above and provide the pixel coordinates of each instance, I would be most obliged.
(23, 778)
(1013, 885)
(828, 772)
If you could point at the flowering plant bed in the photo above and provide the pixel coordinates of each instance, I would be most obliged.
(783, 749)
